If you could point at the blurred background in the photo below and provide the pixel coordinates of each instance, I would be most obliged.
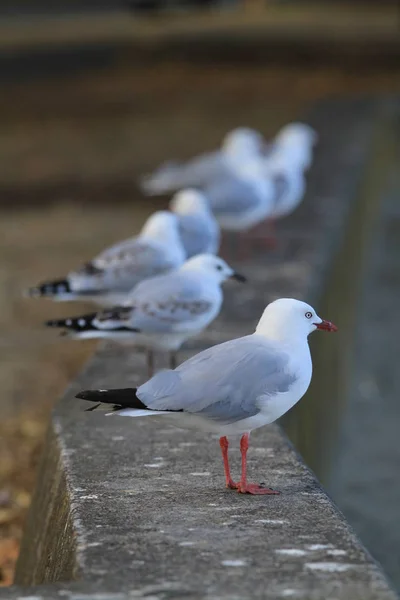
(95, 93)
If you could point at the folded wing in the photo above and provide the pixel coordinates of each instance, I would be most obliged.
(171, 302)
(225, 383)
(122, 266)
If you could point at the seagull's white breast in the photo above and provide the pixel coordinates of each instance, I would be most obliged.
(272, 407)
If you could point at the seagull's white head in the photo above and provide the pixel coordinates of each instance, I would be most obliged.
(188, 202)
(212, 266)
(298, 134)
(287, 319)
(163, 226)
(243, 142)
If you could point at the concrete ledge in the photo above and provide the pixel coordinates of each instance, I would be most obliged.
(52, 557)
(138, 509)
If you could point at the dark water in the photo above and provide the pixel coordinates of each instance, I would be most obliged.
(350, 424)
(363, 477)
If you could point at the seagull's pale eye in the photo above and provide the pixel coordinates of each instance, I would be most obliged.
(308, 315)
(219, 267)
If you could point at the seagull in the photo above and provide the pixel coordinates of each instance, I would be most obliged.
(240, 202)
(234, 387)
(282, 170)
(294, 144)
(107, 278)
(199, 231)
(163, 312)
(290, 186)
(238, 146)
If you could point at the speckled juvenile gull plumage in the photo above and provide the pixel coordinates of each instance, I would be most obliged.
(161, 313)
(108, 277)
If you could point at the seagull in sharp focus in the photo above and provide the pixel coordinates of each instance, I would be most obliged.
(163, 312)
(234, 387)
(239, 146)
(112, 274)
(198, 228)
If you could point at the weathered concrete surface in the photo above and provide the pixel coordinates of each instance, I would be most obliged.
(149, 512)
(53, 556)
(153, 515)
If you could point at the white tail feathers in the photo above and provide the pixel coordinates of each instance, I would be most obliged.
(138, 412)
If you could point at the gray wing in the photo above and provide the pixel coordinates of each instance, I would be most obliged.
(199, 234)
(115, 318)
(224, 383)
(195, 173)
(204, 168)
(134, 251)
(122, 266)
(169, 301)
(232, 196)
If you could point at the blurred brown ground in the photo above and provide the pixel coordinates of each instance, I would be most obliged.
(94, 133)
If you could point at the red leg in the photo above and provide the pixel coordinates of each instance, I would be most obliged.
(223, 442)
(244, 487)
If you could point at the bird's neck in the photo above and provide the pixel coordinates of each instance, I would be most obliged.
(165, 235)
(198, 211)
(205, 276)
(289, 338)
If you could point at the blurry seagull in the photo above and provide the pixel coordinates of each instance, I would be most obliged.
(239, 146)
(282, 170)
(107, 278)
(162, 312)
(234, 387)
(290, 186)
(293, 144)
(198, 228)
(242, 201)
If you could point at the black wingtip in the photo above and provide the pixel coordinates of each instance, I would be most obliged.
(79, 324)
(49, 289)
(125, 397)
(88, 395)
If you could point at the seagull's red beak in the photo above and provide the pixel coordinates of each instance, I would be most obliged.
(326, 326)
